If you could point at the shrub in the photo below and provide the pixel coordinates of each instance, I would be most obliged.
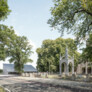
(1, 70)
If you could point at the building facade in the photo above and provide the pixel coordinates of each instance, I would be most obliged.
(9, 69)
(84, 68)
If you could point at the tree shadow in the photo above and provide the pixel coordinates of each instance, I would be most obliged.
(31, 86)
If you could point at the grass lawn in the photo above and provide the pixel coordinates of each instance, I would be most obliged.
(53, 76)
(1, 89)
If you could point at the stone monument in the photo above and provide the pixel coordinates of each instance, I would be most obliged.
(66, 60)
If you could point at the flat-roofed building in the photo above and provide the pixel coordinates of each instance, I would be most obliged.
(9, 69)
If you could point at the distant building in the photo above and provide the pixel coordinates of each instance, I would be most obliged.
(9, 69)
(84, 68)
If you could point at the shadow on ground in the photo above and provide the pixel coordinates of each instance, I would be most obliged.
(31, 86)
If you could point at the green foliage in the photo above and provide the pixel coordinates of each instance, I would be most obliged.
(49, 54)
(72, 16)
(5, 32)
(2, 89)
(76, 59)
(87, 4)
(4, 9)
(87, 52)
(19, 52)
(6, 35)
(1, 71)
(15, 47)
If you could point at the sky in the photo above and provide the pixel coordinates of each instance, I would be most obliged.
(29, 18)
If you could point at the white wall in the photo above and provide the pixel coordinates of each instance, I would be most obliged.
(1, 64)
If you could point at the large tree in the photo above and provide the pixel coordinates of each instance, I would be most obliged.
(72, 16)
(49, 54)
(19, 52)
(15, 47)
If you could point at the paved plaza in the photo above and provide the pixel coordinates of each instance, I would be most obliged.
(26, 84)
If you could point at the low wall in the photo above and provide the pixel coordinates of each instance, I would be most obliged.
(35, 75)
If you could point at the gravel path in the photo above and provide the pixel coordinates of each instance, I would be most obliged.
(21, 84)
(35, 87)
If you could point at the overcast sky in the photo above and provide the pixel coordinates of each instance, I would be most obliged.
(29, 18)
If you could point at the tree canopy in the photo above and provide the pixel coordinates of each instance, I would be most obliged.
(19, 52)
(15, 47)
(87, 52)
(6, 33)
(6, 36)
(87, 5)
(4, 9)
(72, 16)
(49, 54)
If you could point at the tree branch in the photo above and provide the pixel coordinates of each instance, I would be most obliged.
(83, 10)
